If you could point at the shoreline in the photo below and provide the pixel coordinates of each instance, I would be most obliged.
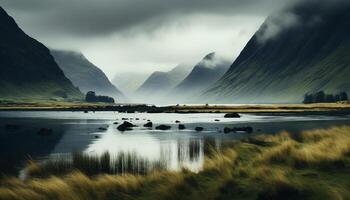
(334, 108)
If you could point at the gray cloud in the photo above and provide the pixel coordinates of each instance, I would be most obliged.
(91, 17)
(299, 13)
(143, 35)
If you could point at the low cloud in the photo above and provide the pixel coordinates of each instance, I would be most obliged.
(138, 35)
(299, 13)
(276, 24)
(92, 18)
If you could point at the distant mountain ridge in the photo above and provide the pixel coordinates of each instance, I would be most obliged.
(303, 49)
(85, 75)
(205, 73)
(129, 82)
(159, 84)
(27, 69)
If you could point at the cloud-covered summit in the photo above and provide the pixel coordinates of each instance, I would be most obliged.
(299, 13)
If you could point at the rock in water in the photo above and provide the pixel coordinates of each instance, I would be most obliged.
(232, 115)
(182, 127)
(148, 125)
(163, 127)
(102, 129)
(198, 129)
(126, 126)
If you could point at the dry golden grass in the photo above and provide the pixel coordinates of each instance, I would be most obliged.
(279, 108)
(220, 160)
(313, 166)
(272, 108)
(75, 186)
(319, 148)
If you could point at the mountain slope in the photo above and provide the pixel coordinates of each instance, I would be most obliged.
(160, 83)
(129, 82)
(84, 74)
(203, 75)
(27, 69)
(303, 49)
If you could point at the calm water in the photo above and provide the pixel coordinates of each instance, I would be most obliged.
(77, 131)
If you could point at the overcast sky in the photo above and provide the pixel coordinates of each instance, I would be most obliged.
(143, 35)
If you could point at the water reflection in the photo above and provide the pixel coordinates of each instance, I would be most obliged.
(175, 153)
(174, 149)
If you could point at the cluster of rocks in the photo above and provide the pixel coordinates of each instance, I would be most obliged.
(127, 126)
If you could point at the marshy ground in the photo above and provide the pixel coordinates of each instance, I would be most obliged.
(310, 165)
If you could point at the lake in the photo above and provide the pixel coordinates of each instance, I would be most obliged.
(95, 133)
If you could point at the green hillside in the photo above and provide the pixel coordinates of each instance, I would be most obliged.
(309, 52)
(27, 69)
(85, 75)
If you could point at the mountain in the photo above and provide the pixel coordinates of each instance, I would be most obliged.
(300, 50)
(209, 70)
(158, 84)
(28, 71)
(129, 82)
(85, 75)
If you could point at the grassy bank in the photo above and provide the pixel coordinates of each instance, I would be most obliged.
(341, 107)
(266, 108)
(310, 165)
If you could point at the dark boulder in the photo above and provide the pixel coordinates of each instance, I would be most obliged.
(232, 115)
(177, 121)
(163, 127)
(102, 129)
(217, 120)
(126, 126)
(198, 129)
(182, 127)
(148, 125)
(45, 132)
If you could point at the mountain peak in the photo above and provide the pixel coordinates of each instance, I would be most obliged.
(210, 56)
(300, 50)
